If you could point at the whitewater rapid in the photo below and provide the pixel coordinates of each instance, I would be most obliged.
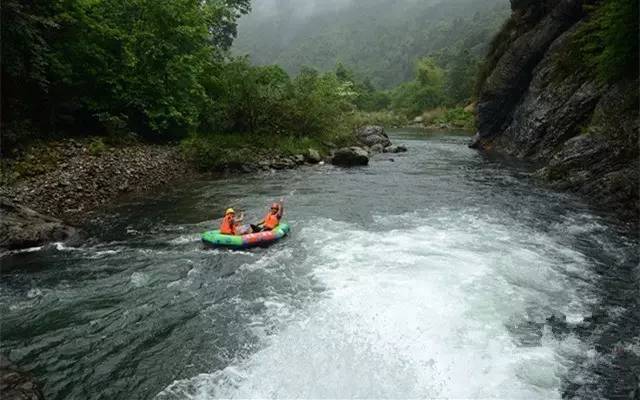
(438, 273)
(418, 305)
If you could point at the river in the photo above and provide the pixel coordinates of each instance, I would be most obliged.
(442, 273)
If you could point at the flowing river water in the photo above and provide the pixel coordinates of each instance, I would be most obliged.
(444, 273)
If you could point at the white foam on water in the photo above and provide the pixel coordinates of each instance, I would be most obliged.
(139, 279)
(418, 311)
(20, 251)
(60, 246)
(184, 239)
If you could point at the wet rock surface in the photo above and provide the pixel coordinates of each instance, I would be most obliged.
(513, 71)
(22, 227)
(583, 133)
(350, 157)
(372, 135)
(16, 384)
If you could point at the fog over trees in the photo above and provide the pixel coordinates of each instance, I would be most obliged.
(379, 39)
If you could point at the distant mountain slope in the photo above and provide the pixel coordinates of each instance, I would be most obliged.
(381, 39)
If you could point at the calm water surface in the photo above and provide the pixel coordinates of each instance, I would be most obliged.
(441, 274)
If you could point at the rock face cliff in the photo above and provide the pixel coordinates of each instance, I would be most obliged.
(533, 105)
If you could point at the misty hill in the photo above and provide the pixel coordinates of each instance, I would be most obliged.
(380, 39)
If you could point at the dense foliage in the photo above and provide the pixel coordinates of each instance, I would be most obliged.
(379, 39)
(609, 39)
(142, 65)
(157, 68)
(162, 69)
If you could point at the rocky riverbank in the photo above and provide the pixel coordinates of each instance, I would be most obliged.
(80, 177)
(582, 130)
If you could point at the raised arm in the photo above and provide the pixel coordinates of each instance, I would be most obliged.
(281, 210)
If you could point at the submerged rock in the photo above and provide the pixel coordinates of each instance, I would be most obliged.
(372, 135)
(23, 227)
(16, 384)
(395, 149)
(350, 156)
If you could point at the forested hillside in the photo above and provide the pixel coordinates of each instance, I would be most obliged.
(379, 39)
(155, 70)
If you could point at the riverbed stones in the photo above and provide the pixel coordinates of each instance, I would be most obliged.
(350, 156)
(23, 227)
(395, 149)
(371, 135)
(81, 181)
(376, 149)
(16, 384)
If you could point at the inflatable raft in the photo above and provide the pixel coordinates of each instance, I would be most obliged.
(216, 239)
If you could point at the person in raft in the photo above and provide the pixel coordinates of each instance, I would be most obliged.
(230, 225)
(272, 219)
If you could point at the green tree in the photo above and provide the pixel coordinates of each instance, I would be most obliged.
(88, 63)
(426, 91)
(460, 77)
(25, 64)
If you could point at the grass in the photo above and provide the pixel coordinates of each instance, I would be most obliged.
(388, 119)
(453, 117)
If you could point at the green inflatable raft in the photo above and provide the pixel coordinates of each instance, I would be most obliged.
(216, 239)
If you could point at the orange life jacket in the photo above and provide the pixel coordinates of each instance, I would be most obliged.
(271, 221)
(227, 227)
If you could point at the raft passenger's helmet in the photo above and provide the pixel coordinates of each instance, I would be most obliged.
(229, 211)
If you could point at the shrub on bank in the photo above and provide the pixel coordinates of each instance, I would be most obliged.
(388, 119)
(452, 117)
(216, 152)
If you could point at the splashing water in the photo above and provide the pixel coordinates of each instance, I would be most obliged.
(443, 274)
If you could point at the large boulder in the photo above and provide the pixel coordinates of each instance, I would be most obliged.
(313, 156)
(350, 156)
(376, 149)
(22, 227)
(371, 135)
(16, 384)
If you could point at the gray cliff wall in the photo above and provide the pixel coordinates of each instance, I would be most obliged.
(533, 106)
